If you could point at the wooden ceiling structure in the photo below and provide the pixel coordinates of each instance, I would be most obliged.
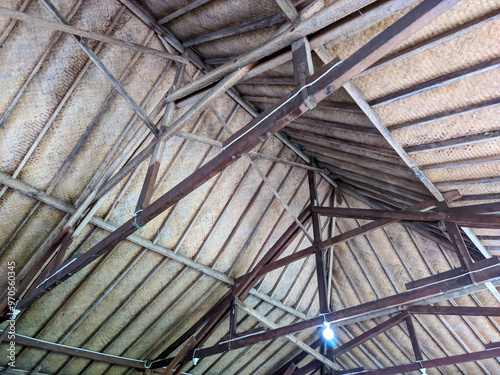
(201, 186)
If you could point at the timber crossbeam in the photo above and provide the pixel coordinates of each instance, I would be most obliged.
(433, 293)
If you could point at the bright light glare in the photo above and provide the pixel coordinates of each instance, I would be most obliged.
(327, 332)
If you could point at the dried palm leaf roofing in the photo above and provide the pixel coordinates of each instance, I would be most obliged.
(419, 124)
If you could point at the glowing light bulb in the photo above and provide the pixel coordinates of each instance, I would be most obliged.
(327, 332)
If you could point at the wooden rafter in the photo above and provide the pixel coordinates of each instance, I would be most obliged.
(357, 341)
(450, 360)
(449, 215)
(66, 28)
(346, 236)
(486, 270)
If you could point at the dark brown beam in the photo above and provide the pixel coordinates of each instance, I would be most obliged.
(459, 245)
(431, 293)
(170, 368)
(489, 238)
(359, 340)
(352, 371)
(298, 135)
(480, 197)
(233, 319)
(287, 81)
(320, 256)
(376, 180)
(413, 338)
(308, 120)
(437, 82)
(346, 107)
(346, 236)
(171, 131)
(469, 182)
(193, 5)
(488, 221)
(236, 30)
(331, 154)
(394, 199)
(447, 114)
(456, 272)
(191, 331)
(492, 345)
(455, 310)
(451, 360)
(369, 167)
(461, 163)
(455, 142)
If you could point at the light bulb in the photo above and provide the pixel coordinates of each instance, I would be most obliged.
(327, 332)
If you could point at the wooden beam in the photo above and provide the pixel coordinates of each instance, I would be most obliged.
(414, 340)
(378, 181)
(435, 41)
(455, 310)
(468, 182)
(288, 8)
(459, 245)
(78, 352)
(66, 28)
(347, 236)
(455, 142)
(105, 71)
(339, 106)
(182, 121)
(492, 345)
(437, 292)
(243, 284)
(355, 342)
(170, 369)
(308, 120)
(447, 79)
(325, 17)
(491, 103)
(237, 30)
(320, 256)
(451, 360)
(492, 221)
(54, 40)
(462, 163)
(299, 135)
(148, 187)
(193, 5)
(340, 30)
(270, 324)
(302, 62)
